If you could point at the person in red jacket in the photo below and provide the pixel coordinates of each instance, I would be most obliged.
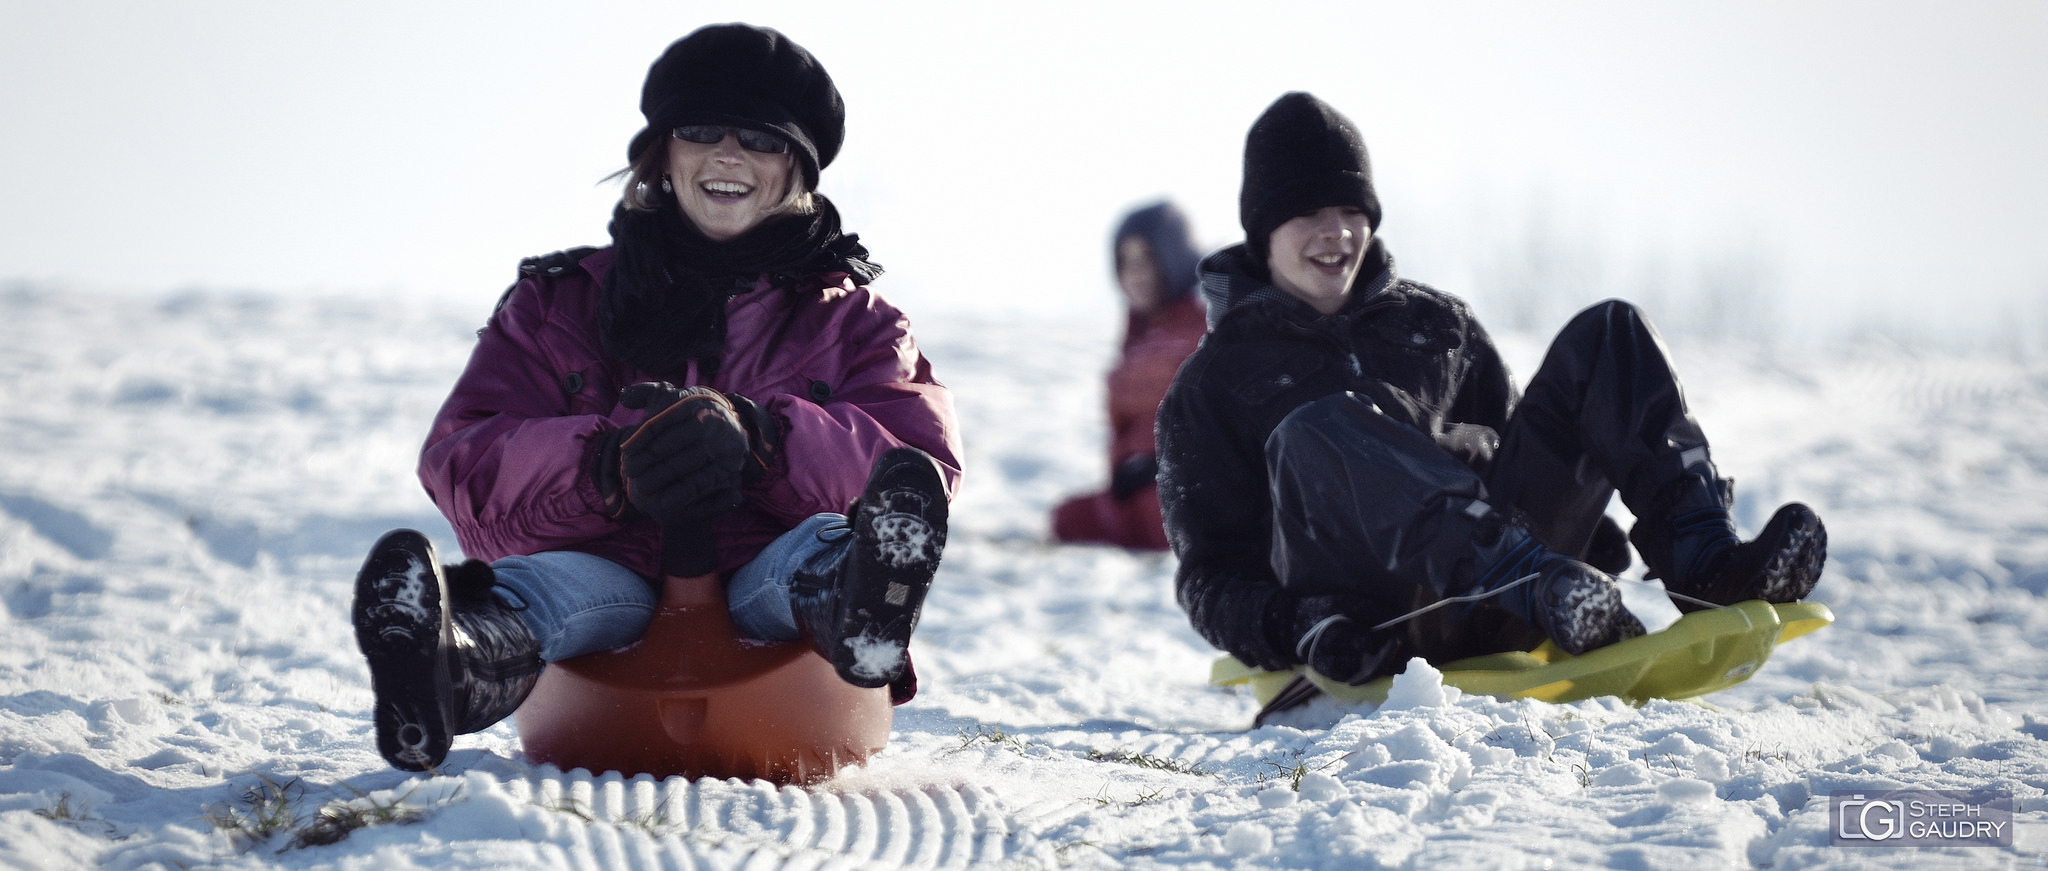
(716, 391)
(1155, 261)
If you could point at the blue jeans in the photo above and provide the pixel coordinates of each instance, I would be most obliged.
(576, 603)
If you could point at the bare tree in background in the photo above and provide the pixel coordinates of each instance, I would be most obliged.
(1737, 296)
(1535, 274)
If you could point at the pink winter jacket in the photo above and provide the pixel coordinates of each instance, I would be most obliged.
(508, 459)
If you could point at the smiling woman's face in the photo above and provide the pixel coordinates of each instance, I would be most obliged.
(724, 189)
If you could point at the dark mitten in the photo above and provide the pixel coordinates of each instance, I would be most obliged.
(764, 440)
(764, 437)
(1133, 474)
(1338, 646)
(684, 462)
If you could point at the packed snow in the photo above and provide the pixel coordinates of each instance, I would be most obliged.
(190, 481)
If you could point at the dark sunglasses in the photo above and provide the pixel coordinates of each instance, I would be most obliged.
(751, 140)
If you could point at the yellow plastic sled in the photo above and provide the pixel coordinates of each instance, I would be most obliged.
(1702, 652)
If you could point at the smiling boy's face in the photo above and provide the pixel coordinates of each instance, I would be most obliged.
(1314, 257)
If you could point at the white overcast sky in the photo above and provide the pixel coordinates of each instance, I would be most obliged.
(1877, 153)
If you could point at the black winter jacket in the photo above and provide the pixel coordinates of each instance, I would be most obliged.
(1416, 352)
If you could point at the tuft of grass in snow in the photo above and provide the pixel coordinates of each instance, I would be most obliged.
(75, 814)
(66, 810)
(1778, 753)
(1295, 772)
(264, 810)
(655, 823)
(337, 819)
(63, 811)
(993, 736)
(1677, 764)
(1060, 853)
(1147, 760)
(569, 806)
(1063, 856)
(271, 809)
(1102, 797)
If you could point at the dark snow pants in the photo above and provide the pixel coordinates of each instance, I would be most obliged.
(1366, 505)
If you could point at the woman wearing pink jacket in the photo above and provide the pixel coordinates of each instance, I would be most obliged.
(717, 390)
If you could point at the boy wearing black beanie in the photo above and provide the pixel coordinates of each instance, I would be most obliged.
(1346, 451)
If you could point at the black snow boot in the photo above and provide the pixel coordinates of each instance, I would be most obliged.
(1576, 605)
(860, 616)
(446, 656)
(1688, 540)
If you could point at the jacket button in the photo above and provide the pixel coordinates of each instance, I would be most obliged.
(572, 383)
(1419, 339)
(820, 391)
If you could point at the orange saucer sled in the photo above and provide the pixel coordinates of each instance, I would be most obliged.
(693, 699)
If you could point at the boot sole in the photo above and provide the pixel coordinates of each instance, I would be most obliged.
(1782, 564)
(1794, 567)
(899, 530)
(1586, 611)
(403, 631)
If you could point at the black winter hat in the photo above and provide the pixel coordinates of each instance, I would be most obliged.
(1300, 156)
(744, 76)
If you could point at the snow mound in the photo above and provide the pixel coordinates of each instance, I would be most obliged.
(1419, 685)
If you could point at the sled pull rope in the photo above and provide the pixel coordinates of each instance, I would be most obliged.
(1701, 602)
(1308, 639)
(1677, 595)
(1495, 592)
(1456, 599)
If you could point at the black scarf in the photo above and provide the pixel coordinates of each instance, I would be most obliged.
(664, 298)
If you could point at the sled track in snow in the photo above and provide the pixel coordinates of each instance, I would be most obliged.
(643, 823)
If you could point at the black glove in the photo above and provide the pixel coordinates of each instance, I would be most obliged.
(1132, 475)
(1338, 646)
(688, 459)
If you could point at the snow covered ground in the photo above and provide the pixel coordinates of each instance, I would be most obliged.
(189, 481)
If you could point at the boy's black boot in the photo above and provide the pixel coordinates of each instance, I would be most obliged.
(860, 616)
(1688, 540)
(1576, 605)
(446, 656)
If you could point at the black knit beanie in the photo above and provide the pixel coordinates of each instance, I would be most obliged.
(744, 76)
(1301, 155)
